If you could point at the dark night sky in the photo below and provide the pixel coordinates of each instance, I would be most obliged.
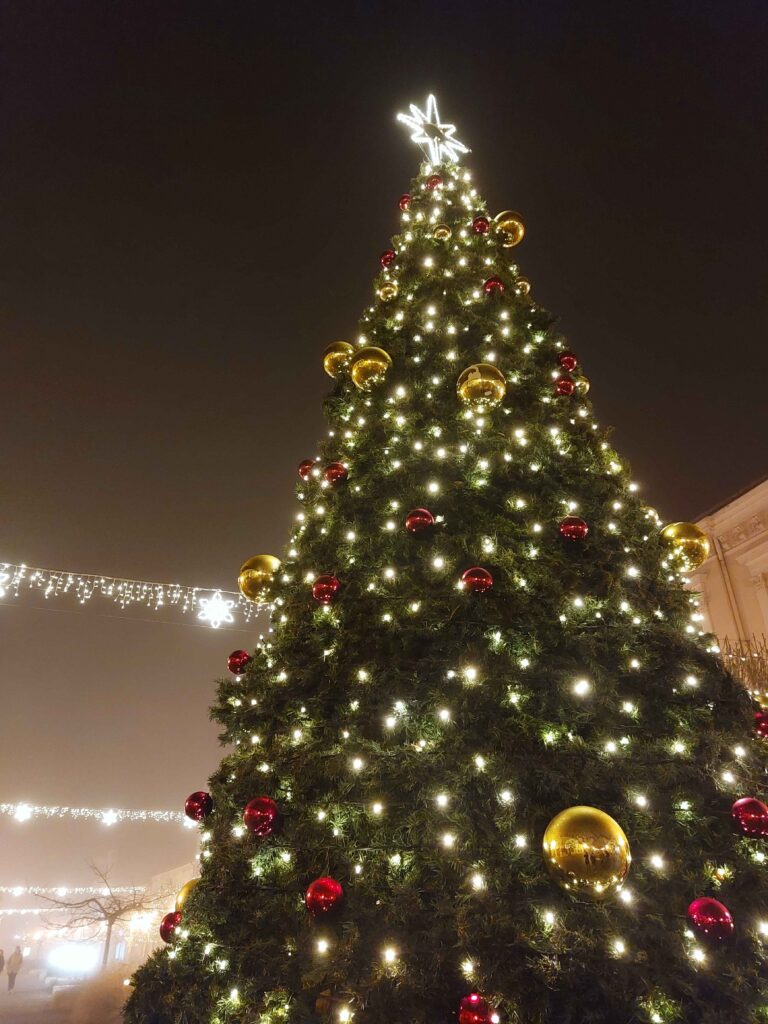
(193, 197)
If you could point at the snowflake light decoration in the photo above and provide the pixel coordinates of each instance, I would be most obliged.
(215, 610)
(435, 138)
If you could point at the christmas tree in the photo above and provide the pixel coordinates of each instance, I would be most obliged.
(486, 766)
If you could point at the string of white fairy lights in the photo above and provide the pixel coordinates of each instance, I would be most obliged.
(23, 812)
(210, 607)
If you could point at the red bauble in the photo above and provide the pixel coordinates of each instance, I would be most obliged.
(573, 528)
(169, 924)
(260, 816)
(405, 201)
(323, 895)
(711, 919)
(477, 580)
(325, 587)
(336, 473)
(474, 1009)
(387, 257)
(481, 225)
(237, 662)
(761, 725)
(568, 361)
(493, 286)
(434, 181)
(419, 520)
(198, 805)
(565, 386)
(305, 468)
(751, 817)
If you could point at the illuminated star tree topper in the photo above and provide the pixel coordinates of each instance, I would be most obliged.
(435, 138)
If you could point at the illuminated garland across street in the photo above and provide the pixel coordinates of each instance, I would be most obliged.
(67, 890)
(213, 608)
(22, 812)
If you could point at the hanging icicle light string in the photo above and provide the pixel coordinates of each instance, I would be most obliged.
(23, 812)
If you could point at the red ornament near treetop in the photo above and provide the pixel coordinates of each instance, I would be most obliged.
(493, 286)
(237, 662)
(565, 386)
(481, 225)
(387, 257)
(404, 201)
(323, 896)
(761, 725)
(711, 919)
(336, 473)
(325, 588)
(305, 468)
(573, 528)
(169, 925)
(568, 361)
(260, 816)
(419, 520)
(434, 181)
(198, 805)
(477, 580)
(474, 1009)
(750, 815)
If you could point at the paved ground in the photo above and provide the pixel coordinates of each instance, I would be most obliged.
(27, 1004)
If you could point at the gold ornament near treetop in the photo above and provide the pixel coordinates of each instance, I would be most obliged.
(256, 577)
(688, 542)
(441, 232)
(509, 225)
(582, 385)
(481, 385)
(369, 367)
(587, 852)
(522, 286)
(185, 891)
(337, 358)
(388, 291)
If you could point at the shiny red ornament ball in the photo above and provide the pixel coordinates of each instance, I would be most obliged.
(474, 1009)
(237, 662)
(198, 805)
(568, 361)
(323, 895)
(405, 201)
(711, 919)
(325, 588)
(169, 924)
(434, 181)
(761, 725)
(493, 286)
(419, 520)
(387, 257)
(481, 225)
(477, 580)
(260, 816)
(565, 386)
(336, 473)
(573, 528)
(305, 468)
(751, 817)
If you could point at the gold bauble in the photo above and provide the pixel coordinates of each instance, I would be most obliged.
(441, 232)
(337, 358)
(587, 852)
(388, 291)
(509, 225)
(481, 385)
(688, 542)
(369, 367)
(522, 286)
(256, 577)
(185, 891)
(582, 385)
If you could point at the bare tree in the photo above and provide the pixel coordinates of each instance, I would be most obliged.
(106, 908)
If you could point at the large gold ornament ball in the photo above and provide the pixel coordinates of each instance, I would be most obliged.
(185, 891)
(582, 385)
(441, 232)
(688, 542)
(370, 367)
(256, 577)
(509, 226)
(481, 385)
(337, 358)
(587, 852)
(522, 286)
(388, 291)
